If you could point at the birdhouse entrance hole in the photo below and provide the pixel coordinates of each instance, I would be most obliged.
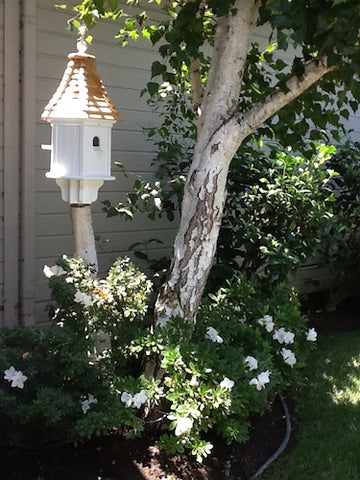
(96, 142)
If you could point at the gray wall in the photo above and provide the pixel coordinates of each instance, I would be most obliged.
(124, 72)
(35, 226)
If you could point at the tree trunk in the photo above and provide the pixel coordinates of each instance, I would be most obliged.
(221, 130)
(205, 188)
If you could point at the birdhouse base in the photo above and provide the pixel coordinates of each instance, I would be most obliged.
(80, 192)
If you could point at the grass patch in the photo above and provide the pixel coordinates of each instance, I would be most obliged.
(328, 413)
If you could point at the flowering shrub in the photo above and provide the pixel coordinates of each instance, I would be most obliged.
(58, 386)
(115, 306)
(230, 365)
(55, 387)
(50, 391)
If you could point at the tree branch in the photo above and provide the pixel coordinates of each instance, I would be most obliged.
(231, 44)
(275, 101)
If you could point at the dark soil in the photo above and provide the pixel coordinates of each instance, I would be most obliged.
(114, 458)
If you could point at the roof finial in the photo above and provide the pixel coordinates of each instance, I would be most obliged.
(81, 44)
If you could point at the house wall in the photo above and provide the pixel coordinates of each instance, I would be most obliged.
(35, 227)
(124, 73)
(10, 159)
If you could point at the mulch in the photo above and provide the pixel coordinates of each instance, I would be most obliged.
(115, 458)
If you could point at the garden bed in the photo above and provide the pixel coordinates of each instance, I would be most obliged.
(114, 458)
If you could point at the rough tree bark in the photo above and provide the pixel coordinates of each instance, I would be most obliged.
(221, 128)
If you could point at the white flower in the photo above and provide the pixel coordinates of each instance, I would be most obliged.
(261, 380)
(9, 373)
(183, 426)
(84, 298)
(53, 271)
(267, 322)
(251, 363)
(165, 88)
(126, 398)
(16, 377)
(242, 320)
(206, 450)
(227, 383)
(213, 335)
(134, 400)
(288, 356)
(85, 404)
(282, 336)
(311, 335)
(91, 398)
(139, 399)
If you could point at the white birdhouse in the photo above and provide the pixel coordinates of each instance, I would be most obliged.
(81, 116)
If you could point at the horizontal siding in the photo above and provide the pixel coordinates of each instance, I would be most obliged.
(312, 278)
(57, 225)
(124, 72)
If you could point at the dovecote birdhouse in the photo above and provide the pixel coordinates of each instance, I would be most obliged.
(81, 116)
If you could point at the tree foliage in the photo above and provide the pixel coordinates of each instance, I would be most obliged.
(315, 29)
(238, 88)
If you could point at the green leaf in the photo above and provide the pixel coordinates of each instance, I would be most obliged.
(112, 4)
(157, 68)
(153, 88)
(345, 113)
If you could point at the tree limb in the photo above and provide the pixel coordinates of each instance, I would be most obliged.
(275, 101)
(231, 44)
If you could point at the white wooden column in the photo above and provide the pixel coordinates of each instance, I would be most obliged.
(27, 182)
(11, 160)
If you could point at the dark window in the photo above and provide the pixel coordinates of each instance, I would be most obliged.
(96, 142)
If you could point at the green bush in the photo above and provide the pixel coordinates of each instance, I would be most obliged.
(59, 386)
(68, 393)
(340, 246)
(60, 382)
(278, 208)
(246, 346)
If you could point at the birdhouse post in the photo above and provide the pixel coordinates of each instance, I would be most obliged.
(81, 116)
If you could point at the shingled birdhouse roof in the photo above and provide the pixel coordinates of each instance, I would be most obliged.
(81, 94)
